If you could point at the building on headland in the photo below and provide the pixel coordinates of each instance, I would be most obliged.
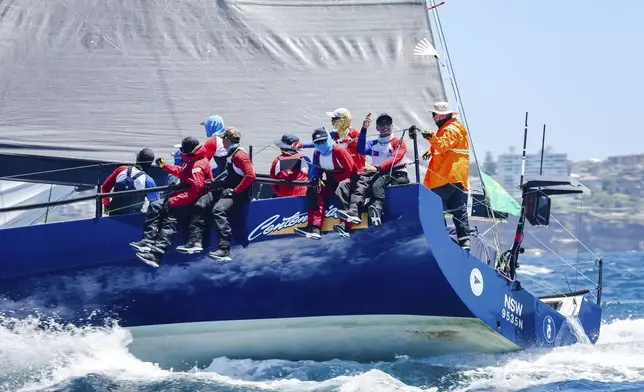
(626, 160)
(508, 170)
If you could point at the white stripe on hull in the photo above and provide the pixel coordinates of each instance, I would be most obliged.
(360, 338)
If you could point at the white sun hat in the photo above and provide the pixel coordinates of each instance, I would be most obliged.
(442, 108)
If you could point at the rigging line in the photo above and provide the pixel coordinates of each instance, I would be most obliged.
(573, 236)
(581, 262)
(566, 277)
(581, 209)
(546, 285)
(47, 171)
(562, 259)
(443, 40)
(69, 168)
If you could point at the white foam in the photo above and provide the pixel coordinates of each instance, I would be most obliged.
(618, 356)
(33, 359)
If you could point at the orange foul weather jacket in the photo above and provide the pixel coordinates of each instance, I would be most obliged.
(450, 152)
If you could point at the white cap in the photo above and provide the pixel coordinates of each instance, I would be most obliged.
(442, 108)
(339, 112)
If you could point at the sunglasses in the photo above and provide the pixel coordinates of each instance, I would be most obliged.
(320, 141)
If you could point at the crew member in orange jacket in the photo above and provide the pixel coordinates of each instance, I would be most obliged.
(291, 166)
(448, 171)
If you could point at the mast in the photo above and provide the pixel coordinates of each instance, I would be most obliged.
(543, 142)
(518, 238)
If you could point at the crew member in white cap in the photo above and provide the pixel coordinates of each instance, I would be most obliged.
(448, 171)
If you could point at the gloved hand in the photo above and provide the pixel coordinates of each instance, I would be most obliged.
(160, 162)
(297, 145)
(427, 155)
(427, 134)
(227, 193)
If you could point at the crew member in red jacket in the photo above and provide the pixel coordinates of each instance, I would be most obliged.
(239, 178)
(290, 166)
(162, 216)
(343, 134)
(335, 162)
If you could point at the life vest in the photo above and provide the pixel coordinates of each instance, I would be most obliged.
(127, 204)
(234, 174)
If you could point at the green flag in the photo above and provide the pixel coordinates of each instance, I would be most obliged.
(499, 197)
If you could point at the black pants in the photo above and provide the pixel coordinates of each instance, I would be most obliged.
(371, 185)
(454, 200)
(161, 223)
(212, 205)
(346, 192)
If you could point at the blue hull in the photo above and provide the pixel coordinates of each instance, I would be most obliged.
(84, 272)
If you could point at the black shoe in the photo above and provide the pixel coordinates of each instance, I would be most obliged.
(349, 217)
(342, 229)
(190, 248)
(142, 246)
(374, 216)
(149, 259)
(312, 232)
(465, 244)
(220, 255)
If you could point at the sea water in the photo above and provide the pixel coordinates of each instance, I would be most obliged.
(68, 358)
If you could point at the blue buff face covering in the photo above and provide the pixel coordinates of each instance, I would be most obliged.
(325, 148)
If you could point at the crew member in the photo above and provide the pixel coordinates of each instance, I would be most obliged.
(335, 162)
(289, 166)
(127, 178)
(448, 171)
(227, 193)
(386, 152)
(162, 216)
(240, 177)
(343, 134)
(215, 152)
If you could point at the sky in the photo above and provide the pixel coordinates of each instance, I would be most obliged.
(574, 65)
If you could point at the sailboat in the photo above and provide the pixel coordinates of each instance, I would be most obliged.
(108, 79)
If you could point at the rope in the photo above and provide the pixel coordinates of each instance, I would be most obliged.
(562, 259)
(573, 236)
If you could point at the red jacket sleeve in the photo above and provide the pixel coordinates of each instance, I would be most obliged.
(196, 183)
(242, 160)
(172, 169)
(400, 149)
(344, 158)
(109, 183)
(211, 147)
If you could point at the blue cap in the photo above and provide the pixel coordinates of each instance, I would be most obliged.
(287, 141)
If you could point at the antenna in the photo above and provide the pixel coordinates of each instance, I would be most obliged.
(543, 142)
(525, 141)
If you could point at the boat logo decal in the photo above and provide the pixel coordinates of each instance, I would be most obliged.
(476, 282)
(549, 331)
(277, 224)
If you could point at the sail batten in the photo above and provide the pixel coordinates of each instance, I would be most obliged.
(101, 79)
